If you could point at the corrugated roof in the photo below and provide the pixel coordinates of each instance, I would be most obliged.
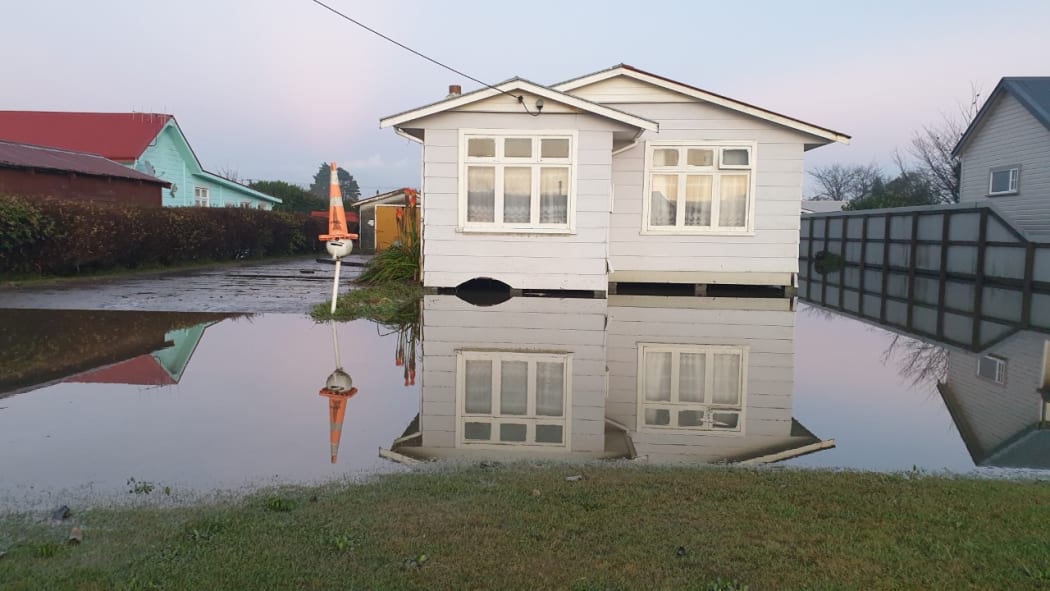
(117, 136)
(13, 155)
(1033, 92)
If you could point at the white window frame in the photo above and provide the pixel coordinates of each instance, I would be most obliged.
(201, 196)
(495, 417)
(675, 405)
(1014, 182)
(716, 169)
(1000, 369)
(499, 162)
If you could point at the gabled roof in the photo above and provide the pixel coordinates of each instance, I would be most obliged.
(1031, 91)
(380, 198)
(13, 155)
(704, 95)
(522, 85)
(117, 136)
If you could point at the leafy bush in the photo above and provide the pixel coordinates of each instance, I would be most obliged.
(56, 237)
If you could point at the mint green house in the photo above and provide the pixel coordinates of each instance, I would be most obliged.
(152, 143)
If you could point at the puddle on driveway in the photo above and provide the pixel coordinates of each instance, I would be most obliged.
(200, 402)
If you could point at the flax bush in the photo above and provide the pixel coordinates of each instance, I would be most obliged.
(55, 237)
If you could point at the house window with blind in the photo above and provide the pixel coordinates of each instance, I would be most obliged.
(201, 196)
(691, 387)
(510, 398)
(517, 182)
(699, 188)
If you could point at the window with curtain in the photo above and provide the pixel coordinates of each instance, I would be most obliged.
(697, 188)
(517, 182)
(693, 387)
(509, 398)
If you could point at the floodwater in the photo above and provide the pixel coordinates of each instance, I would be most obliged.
(94, 403)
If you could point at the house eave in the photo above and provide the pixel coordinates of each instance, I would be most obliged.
(399, 120)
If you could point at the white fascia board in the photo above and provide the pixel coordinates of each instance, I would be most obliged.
(715, 99)
(520, 85)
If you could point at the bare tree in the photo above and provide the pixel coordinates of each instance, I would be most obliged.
(932, 147)
(917, 360)
(844, 182)
(229, 173)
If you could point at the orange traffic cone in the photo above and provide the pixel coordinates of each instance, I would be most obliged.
(337, 229)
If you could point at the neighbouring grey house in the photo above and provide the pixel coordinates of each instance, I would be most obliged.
(620, 176)
(1005, 154)
(821, 206)
(375, 229)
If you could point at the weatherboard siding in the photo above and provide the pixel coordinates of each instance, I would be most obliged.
(572, 261)
(1009, 136)
(773, 246)
(168, 164)
(998, 412)
(768, 336)
(575, 326)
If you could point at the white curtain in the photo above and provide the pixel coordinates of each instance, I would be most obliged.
(658, 376)
(550, 389)
(732, 203)
(554, 195)
(691, 377)
(517, 194)
(698, 200)
(514, 387)
(481, 194)
(663, 202)
(725, 383)
(478, 386)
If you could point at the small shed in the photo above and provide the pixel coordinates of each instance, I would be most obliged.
(38, 172)
(378, 218)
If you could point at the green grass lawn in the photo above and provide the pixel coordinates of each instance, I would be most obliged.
(526, 527)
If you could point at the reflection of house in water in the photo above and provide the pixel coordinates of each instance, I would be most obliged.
(999, 400)
(42, 347)
(668, 379)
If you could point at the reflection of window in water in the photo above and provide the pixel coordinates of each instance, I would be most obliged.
(694, 387)
(992, 367)
(512, 398)
(1044, 382)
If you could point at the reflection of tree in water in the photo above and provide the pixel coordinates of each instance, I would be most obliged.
(405, 321)
(918, 361)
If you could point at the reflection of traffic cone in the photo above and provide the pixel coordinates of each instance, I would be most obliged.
(337, 229)
(337, 400)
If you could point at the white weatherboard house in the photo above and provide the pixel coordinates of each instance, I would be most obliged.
(620, 176)
(1005, 154)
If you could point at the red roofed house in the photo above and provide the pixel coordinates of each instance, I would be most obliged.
(35, 171)
(150, 143)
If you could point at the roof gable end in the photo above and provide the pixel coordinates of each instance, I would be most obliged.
(510, 87)
(1033, 92)
(694, 93)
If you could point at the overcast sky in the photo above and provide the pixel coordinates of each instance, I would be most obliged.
(271, 88)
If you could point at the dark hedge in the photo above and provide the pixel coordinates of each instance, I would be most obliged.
(55, 237)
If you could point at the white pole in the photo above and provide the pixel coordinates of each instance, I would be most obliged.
(335, 284)
(335, 346)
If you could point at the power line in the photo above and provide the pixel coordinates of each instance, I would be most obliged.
(426, 57)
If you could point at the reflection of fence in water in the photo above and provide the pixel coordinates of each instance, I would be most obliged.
(959, 274)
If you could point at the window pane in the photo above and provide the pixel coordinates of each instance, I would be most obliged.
(665, 157)
(514, 387)
(690, 418)
(697, 157)
(481, 147)
(691, 377)
(517, 194)
(725, 383)
(512, 433)
(477, 431)
(517, 147)
(554, 195)
(478, 387)
(698, 200)
(725, 420)
(554, 148)
(732, 203)
(657, 416)
(548, 433)
(1003, 181)
(550, 389)
(735, 157)
(481, 194)
(664, 203)
(658, 376)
